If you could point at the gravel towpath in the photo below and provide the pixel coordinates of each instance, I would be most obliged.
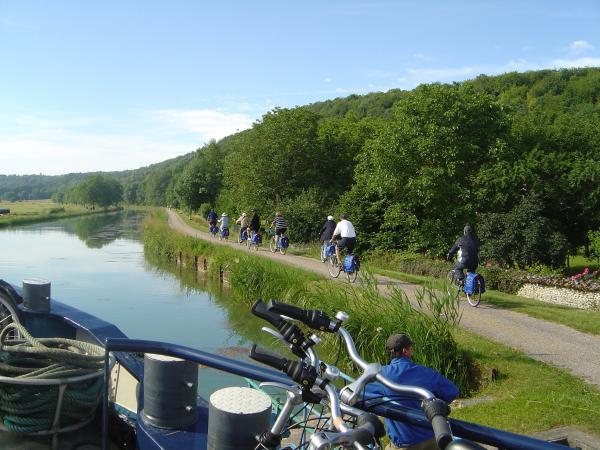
(551, 343)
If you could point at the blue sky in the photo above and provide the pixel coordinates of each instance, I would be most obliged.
(113, 85)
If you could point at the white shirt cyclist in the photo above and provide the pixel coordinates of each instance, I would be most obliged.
(345, 229)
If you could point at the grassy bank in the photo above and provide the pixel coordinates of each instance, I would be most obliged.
(526, 396)
(26, 212)
(373, 317)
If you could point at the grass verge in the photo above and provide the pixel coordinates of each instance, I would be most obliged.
(26, 212)
(527, 396)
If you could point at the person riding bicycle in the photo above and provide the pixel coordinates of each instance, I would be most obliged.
(467, 247)
(224, 222)
(326, 234)
(211, 217)
(402, 370)
(280, 226)
(243, 221)
(344, 236)
(254, 223)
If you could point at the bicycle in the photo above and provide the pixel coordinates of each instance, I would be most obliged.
(457, 287)
(351, 423)
(255, 240)
(349, 266)
(213, 230)
(244, 237)
(280, 243)
(224, 234)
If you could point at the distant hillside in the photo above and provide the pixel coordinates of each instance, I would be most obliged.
(551, 93)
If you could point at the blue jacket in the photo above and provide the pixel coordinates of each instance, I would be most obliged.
(405, 371)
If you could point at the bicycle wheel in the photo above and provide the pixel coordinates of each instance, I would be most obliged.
(475, 297)
(272, 246)
(452, 284)
(352, 276)
(333, 266)
(282, 250)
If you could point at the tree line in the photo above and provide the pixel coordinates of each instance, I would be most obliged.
(516, 156)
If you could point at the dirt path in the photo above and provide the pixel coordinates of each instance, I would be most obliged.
(551, 343)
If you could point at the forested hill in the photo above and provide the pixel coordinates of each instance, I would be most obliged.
(517, 155)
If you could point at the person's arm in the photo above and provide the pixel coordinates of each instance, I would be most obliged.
(454, 249)
(336, 232)
(445, 389)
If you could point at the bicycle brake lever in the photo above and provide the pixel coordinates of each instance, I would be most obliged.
(274, 333)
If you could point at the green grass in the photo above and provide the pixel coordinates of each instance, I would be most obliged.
(31, 211)
(528, 395)
(582, 320)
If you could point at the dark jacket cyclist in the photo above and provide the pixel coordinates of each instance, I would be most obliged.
(212, 217)
(326, 232)
(467, 247)
(255, 221)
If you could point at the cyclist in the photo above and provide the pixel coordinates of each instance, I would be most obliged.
(254, 223)
(325, 235)
(212, 218)
(403, 370)
(224, 221)
(280, 227)
(344, 236)
(243, 221)
(467, 247)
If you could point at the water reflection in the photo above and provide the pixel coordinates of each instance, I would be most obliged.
(98, 230)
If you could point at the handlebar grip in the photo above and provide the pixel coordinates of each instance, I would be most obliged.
(441, 430)
(289, 310)
(437, 412)
(268, 358)
(260, 309)
(313, 318)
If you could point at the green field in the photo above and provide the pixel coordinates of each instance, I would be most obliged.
(30, 211)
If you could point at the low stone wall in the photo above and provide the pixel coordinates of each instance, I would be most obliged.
(561, 296)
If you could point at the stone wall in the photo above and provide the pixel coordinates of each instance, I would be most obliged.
(561, 296)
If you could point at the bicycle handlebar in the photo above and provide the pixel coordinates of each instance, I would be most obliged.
(313, 318)
(297, 371)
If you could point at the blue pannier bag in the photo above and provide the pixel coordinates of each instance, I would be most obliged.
(284, 242)
(348, 265)
(330, 250)
(470, 283)
(244, 235)
(213, 229)
(255, 239)
(225, 232)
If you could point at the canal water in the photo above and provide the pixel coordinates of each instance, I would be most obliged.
(97, 264)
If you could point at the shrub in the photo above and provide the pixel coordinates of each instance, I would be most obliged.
(522, 236)
(304, 215)
(594, 237)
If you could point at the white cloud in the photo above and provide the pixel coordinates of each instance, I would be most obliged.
(207, 123)
(576, 62)
(581, 45)
(52, 155)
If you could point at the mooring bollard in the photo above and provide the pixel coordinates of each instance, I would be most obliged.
(205, 264)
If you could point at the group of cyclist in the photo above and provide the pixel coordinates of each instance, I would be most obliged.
(342, 233)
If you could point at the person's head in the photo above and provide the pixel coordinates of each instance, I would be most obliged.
(254, 210)
(468, 230)
(224, 215)
(243, 214)
(398, 345)
(344, 216)
(212, 210)
(330, 217)
(278, 214)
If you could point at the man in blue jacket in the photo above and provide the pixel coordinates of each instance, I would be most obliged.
(403, 370)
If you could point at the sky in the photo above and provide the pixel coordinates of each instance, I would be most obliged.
(115, 85)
